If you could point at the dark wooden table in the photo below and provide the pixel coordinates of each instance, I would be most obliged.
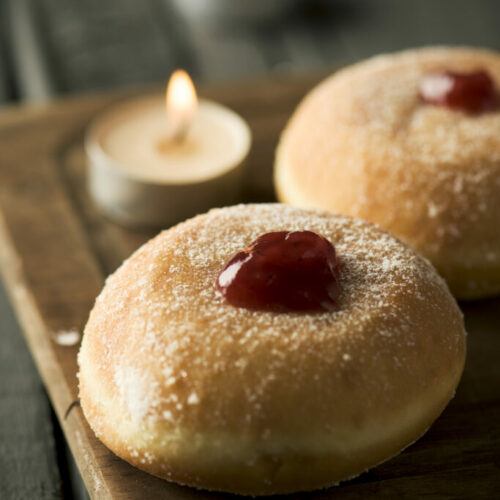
(52, 47)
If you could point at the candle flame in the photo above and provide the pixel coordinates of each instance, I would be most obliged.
(182, 103)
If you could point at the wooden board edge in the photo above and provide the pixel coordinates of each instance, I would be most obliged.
(42, 350)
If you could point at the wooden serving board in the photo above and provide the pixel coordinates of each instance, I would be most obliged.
(56, 250)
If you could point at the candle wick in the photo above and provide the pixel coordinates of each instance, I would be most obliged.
(178, 131)
(175, 138)
(179, 135)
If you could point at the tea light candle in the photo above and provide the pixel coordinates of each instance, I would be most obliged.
(155, 165)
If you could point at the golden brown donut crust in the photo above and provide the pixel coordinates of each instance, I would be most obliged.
(363, 144)
(185, 386)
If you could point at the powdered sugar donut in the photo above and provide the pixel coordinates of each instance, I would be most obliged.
(183, 385)
(365, 143)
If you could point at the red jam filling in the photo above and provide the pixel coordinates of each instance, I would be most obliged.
(283, 271)
(470, 92)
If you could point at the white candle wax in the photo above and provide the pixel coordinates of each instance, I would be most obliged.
(139, 176)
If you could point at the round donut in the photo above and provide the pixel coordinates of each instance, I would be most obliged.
(364, 144)
(181, 384)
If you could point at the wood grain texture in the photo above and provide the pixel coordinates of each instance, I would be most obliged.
(55, 251)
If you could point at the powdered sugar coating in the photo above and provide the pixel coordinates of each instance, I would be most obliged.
(375, 269)
(363, 143)
(261, 377)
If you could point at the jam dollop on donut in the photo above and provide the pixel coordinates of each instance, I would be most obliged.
(472, 92)
(283, 271)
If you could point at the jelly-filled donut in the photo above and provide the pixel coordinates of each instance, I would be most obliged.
(354, 351)
(409, 141)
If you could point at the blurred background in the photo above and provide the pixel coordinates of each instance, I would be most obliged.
(52, 47)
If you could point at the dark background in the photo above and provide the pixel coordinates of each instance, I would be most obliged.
(54, 47)
(48, 47)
